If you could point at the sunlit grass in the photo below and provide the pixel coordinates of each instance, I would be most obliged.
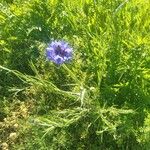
(98, 100)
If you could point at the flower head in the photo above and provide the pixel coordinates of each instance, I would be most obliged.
(59, 52)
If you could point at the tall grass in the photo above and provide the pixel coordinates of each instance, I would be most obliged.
(100, 100)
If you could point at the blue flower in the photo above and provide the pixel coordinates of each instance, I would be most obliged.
(59, 52)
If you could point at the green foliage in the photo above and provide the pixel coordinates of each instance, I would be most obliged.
(100, 100)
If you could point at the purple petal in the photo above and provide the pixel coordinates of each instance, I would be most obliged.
(58, 60)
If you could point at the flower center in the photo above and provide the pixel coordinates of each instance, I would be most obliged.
(59, 51)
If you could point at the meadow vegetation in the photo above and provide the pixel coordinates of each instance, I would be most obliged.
(100, 100)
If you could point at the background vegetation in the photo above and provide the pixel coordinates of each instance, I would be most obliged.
(98, 101)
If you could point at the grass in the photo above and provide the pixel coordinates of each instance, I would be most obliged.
(100, 100)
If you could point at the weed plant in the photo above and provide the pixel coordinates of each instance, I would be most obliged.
(100, 100)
